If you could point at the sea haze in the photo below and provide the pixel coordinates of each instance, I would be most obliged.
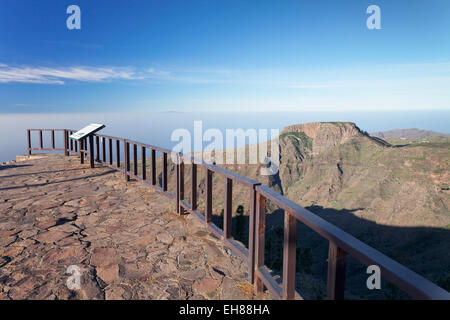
(156, 127)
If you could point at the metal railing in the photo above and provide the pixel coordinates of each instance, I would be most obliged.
(341, 243)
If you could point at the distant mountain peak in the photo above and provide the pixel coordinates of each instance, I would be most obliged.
(412, 133)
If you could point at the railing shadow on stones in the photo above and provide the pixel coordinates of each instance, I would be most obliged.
(106, 149)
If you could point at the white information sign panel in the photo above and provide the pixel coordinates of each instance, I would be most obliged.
(89, 129)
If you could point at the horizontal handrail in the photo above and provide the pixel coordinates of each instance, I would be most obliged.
(412, 283)
(47, 129)
(341, 243)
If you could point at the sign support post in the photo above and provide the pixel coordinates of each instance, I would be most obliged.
(91, 150)
(82, 151)
(82, 135)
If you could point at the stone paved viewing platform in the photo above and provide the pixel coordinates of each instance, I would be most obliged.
(126, 238)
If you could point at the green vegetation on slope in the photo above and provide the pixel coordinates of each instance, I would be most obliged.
(299, 139)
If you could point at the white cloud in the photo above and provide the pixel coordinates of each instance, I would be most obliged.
(25, 74)
(59, 75)
(422, 77)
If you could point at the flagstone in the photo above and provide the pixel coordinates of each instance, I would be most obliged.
(104, 257)
(165, 237)
(206, 286)
(109, 273)
(51, 236)
(4, 242)
(194, 274)
(125, 238)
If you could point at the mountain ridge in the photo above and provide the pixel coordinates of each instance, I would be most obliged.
(410, 133)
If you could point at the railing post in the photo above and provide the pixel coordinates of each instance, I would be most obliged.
(177, 196)
(110, 151)
(180, 183)
(135, 160)
(251, 238)
(153, 168)
(144, 165)
(118, 153)
(97, 148)
(126, 152)
(104, 149)
(71, 141)
(259, 239)
(76, 146)
(66, 144)
(336, 272)
(53, 138)
(41, 142)
(289, 255)
(164, 172)
(193, 186)
(208, 195)
(227, 212)
(91, 151)
(29, 141)
(82, 143)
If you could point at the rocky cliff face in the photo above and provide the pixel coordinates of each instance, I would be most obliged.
(326, 135)
(336, 165)
(396, 198)
(318, 151)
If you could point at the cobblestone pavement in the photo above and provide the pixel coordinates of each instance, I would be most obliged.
(126, 239)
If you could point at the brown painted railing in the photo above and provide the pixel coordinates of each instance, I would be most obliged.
(341, 243)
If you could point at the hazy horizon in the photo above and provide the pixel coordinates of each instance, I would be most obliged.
(156, 127)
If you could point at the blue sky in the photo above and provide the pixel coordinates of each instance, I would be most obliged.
(224, 55)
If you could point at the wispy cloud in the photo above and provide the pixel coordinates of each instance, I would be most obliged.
(193, 75)
(44, 75)
(307, 78)
(60, 75)
(431, 75)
